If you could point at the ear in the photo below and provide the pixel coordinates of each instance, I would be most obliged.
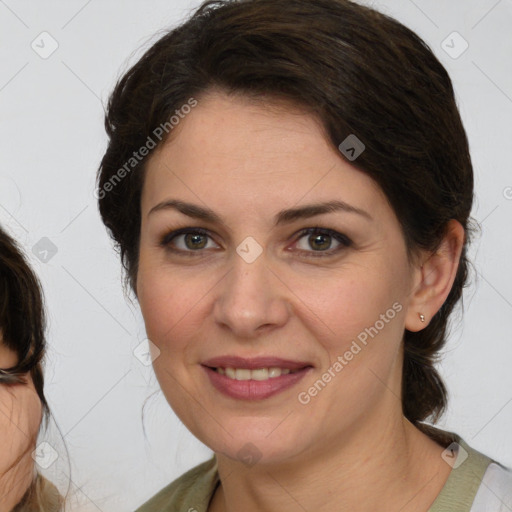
(433, 277)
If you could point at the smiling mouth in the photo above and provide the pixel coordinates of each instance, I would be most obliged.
(255, 374)
(254, 379)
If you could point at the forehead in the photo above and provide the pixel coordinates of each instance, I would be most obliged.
(234, 129)
(232, 151)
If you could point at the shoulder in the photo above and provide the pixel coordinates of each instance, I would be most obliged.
(495, 491)
(477, 483)
(189, 492)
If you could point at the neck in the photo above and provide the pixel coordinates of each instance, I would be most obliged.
(388, 465)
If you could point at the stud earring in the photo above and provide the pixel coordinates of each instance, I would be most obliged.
(422, 317)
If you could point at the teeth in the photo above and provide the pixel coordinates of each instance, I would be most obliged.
(276, 372)
(242, 374)
(258, 374)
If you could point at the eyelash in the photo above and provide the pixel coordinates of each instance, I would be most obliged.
(344, 241)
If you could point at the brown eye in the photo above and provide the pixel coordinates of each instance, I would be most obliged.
(186, 240)
(321, 240)
(195, 241)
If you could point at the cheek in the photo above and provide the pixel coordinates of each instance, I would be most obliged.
(352, 303)
(169, 305)
(359, 323)
(365, 311)
(21, 402)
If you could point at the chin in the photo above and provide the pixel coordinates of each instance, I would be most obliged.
(258, 443)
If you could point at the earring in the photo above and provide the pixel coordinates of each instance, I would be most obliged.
(422, 317)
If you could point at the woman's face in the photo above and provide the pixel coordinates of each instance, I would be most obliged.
(331, 306)
(20, 417)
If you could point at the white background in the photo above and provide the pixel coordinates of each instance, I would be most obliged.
(52, 140)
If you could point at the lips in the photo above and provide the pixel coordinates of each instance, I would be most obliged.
(255, 378)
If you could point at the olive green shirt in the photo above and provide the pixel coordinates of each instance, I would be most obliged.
(193, 490)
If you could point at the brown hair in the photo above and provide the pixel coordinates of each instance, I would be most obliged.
(22, 319)
(360, 72)
(22, 328)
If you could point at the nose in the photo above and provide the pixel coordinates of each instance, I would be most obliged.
(251, 299)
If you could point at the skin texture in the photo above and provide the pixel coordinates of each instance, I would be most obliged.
(20, 417)
(349, 448)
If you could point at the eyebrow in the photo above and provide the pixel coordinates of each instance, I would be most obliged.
(283, 217)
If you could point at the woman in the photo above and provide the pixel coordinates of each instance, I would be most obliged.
(22, 400)
(290, 187)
